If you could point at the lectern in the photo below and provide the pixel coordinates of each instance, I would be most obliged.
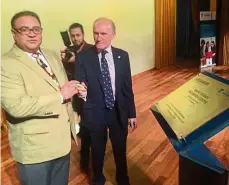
(191, 115)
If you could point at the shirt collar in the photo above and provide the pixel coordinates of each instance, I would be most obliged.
(108, 49)
(81, 47)
(31, 54)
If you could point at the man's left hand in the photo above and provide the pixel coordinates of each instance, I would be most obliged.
(132, 123)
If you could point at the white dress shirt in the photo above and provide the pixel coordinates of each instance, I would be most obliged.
(41, 56)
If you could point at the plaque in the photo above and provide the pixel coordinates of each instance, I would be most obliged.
(193, 104)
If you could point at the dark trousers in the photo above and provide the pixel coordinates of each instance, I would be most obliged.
(98, 138)
(54, 172)
(85, 148)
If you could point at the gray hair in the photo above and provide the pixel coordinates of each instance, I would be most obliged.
(104, 18)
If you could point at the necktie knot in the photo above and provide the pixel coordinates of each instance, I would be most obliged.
(104, 52)
(36, 55)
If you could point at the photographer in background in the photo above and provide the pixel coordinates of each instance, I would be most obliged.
(79, 44)
(77, 37)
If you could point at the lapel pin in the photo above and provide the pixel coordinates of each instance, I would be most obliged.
(119, 56)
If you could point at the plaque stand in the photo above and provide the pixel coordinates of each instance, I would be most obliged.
(193, 170)
(197, 164)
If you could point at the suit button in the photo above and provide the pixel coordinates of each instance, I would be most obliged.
(68, 120)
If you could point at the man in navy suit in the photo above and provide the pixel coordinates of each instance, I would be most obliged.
(109, 104)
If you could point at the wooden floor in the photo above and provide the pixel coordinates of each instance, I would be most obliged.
(151, 158)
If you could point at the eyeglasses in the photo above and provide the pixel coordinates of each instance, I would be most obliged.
(26, 31)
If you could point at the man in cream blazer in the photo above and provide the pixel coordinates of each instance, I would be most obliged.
(36, 96)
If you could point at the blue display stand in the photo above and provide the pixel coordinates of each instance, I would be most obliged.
(197, 164)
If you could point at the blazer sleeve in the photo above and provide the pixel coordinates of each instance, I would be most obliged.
(81, 77)
(18, 103)
(127, 90)
(80, 74)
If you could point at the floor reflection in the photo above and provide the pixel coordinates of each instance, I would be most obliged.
(219, 146)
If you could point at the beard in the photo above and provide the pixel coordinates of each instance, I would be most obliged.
(77, 44)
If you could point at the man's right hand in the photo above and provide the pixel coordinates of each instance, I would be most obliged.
(69, 89)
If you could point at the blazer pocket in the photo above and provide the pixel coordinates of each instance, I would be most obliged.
(35, 138)
(35, 130)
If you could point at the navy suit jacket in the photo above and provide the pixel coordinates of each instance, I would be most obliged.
(88, 71)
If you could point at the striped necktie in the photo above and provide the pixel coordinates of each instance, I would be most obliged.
(45, 67)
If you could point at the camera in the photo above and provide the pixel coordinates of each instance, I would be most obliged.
(68, 52)
(70, 49)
